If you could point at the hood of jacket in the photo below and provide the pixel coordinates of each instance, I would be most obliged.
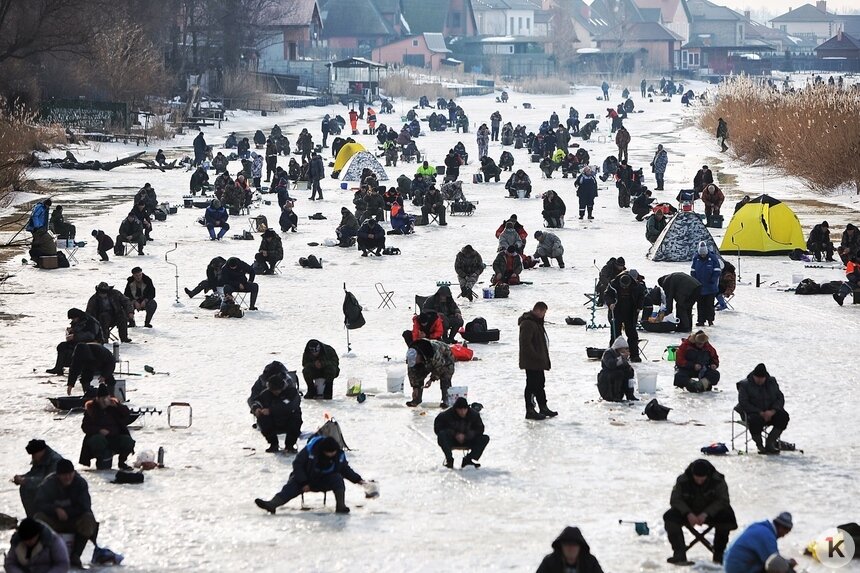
(443, 291)
(571, 535)
(532, 317)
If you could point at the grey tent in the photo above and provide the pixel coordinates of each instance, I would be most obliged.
(360, 161)
(680, 239)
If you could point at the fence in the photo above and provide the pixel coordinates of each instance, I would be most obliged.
(85, 114)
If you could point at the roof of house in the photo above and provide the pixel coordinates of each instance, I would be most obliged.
(667, 8)
(290, 13)
(852, 24)
(706, 10)
(480, 5)
(425, 15)
(353, 18)
(613, 11)
(641, 32)
(436, 43)
(651, 14)
(707, 41)
(543, 17)
(592, 22)
(388, 6)
(805, 13)
(841, 42)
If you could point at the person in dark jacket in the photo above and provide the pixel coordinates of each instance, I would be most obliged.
(63, 503)
(489, 169)
(103, 244)
(131, 231)
(83, 328)
(243, 148)
(452, 166)
(375, 204)
(320, 466)
(818, 242)
(238, 276)
(219, 164)
(273, 368)
(700, 497)
(431, 358)
(609, 271)
(642, 204)
(706, 269)
(316, 172)
(507, 267)
(105, 427)
(586, 191)
(58, 224)
(443, 303)
(722, 134)
(371, 237)
(288, 220)
(682, 290)
(625, 297)
(216, 216)
(461, 427)
(696, 358)
(655, 225)
(347, 228)
(199, 181)
(278, 411)
(200, 149)
(36, 548)
(850, 243)
(570, 553)
(616, 377)
(111, 308)
(213, 269)
(760, 404)
(141, 292)
(534, 359)
(43, 462)
(468, 265)
(87, 360)
(553, 210)
(271, 251)
(434, 202)
(319, 363)
(519, 181)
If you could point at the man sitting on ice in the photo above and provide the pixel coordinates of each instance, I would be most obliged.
(696, 358)
(615, 380)
(461, 427)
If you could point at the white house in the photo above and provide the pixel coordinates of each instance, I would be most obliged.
(812, 23)
(507, 17)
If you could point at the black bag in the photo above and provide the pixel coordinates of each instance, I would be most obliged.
(655, 411)
(317, 217)
(310, 262)
(352, 316)
(124, 477)
(160, 215)
(502, 291)
(830, 287)
(118, 248)
(211, 302)
(172, 210)
(62, 261)
(390, 251)
(478, 324)
(807, 286)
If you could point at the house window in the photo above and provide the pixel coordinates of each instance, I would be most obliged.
(455, 20)
(528, 23)
(784, 28)
(414, 43)
(695, 59)
(521, 24)
(684, 56)
(512, 25)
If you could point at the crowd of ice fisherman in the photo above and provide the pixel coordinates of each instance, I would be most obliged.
(55, 496)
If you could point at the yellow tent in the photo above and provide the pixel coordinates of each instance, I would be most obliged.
(345, 154)
(764, 226)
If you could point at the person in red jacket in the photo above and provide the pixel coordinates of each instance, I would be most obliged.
(353, 121)
(425, 325)
(696, 358)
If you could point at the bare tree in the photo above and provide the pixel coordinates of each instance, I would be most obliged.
(35, 27)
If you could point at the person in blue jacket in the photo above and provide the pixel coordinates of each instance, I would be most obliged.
(706, 269)
(39, 217)
(216, 216)
(320, 466)
(756, 545)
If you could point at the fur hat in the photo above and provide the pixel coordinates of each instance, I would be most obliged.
(64, 466)
(699, 337)
(461, 402)
(34, 446)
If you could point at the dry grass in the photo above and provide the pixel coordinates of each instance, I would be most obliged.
(549, 86)
(401, 85)
(159, 128)
(812, 134)
(19, 137)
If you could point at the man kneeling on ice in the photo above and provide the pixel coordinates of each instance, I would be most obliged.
(320, 466)
(461, 427)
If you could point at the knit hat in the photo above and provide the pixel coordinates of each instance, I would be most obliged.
(329, 444)
(216, 204)
(703, 249)
(461, 402)
(620, 343)
(701, 468)
(784, 520)
(761, 371)
(538, 234)
(700, 338)
(64, 466)
(28, 528)
(102, 392)
(634, 274)
(34, 446)
(619, 261)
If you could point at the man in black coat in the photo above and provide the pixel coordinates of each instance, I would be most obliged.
(570, 552)
(625, 296)
(700, 497)
(111, 308)
(316, 172)
(105, 427)
(238, 275)
(87, 360)
(63, 503)
(43, 462)
(819, 242)
(320, 361)
(213, 269)
(200, 148)
(461, 427)
(141, 292)
(83, 328)
(443, 303)
(131, 231)
(278, 411)
(320, 466)
(761, 403)
(682, 290)
(371, 237)
(434, 202)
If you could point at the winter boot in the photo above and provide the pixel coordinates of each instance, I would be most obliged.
(193, 292)
(417, 394)
(758, 444)
(468, 461)
(78, 546)
(273, 445)
(544, 409)
(721, 539)
(560, 262)
(122, 463)
(771, 445)
(531, 414)
(544, 262)
(449, 463)
(340, 501)
(271, 505)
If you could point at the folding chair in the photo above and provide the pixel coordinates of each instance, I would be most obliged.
(276, 268)
(69, 247)
(419, 303)
(643, 344)
(740, 419)
(238, 296)
(306, 508)
(700, 537)
(385, 295)
(258, 224)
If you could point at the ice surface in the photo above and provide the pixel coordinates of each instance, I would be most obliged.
(594, 464)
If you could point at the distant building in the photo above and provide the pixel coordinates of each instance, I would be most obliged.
(841, 46)
(506, 17)
(427, 50)
(811, 23)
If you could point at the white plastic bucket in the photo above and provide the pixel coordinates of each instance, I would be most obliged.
(647, 382)
(455, 392)
(319, 384)
(395, 379)
(521, 193)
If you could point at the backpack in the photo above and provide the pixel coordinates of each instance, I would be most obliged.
(310, 262)
(655, 411)
(118, 248)
(211, 302)
(830, 287)
(715, 449)
(353, 318)
(331, 429)
(478, 324)
(390, 251)
(160, 215)
(502, 291)
(807, 286)
(62, 261)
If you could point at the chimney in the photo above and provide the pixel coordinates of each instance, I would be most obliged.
(821, 5)
(747, 15)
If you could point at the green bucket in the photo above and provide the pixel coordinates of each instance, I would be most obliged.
(671, 351)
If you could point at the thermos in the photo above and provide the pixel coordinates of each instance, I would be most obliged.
(116, 351)
(160, 457)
